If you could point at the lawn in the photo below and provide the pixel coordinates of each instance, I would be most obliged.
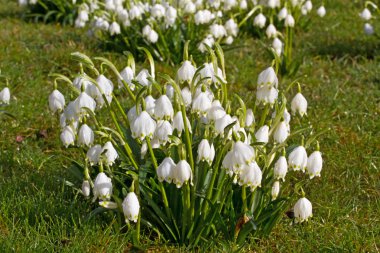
(42, 210)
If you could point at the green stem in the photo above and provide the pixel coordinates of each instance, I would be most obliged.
(264, 115)
(244, 198)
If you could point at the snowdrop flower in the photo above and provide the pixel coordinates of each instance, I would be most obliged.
(189, 8)
(289, 21)
(229, 40)
(142, 77)
(186, 72)
(231, 27)
(109, 5)
(250, 176)
(314, 164)
(67, 136)
(259, 21)
(280, 168)
(209, 41)
(216, 111)
(206, 152)
(222, 123)
(127, 74)
(110, 153)
(163, 130)
(268, 77)
(229, 4)
(165, 170)
(249, 118)
(135, 13)
(201, 104)
(282, 14)
(275, 190)
(84, 101)
(299, 104)
(85, 136)
(143, 126)
(281, 133)
(86, 189)
(308, 6)
(271, 31)
(93, 154)
(163, 108)
(243, 154)
(243, 4)
(114, 28)
(170, 16)
(365, 14)
(298, 159)
(131, 207)
(150, 105)
(321, 11)
(102, 187)
(266, 95)
(5, 96)
(178, 123)
(277, 46)
(218, 31)
(368, 29)
(186, 96)
(56, 101)
(303, 210)
(228, 163)
(157, 11)
(202, 17)
(274, 3)
(182, 173)
(262, 135)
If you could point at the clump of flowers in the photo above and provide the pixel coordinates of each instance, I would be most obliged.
(181, 156)
(368, 14)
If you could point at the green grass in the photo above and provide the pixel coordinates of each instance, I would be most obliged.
(40, 211)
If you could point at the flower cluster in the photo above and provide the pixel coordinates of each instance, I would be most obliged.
(187, 143)
(367, 16)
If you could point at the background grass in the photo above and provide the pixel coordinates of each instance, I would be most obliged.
(41, 211)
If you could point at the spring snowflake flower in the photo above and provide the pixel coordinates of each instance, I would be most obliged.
(303, 210)
(165, 170)
(56, 101)
(299, 104)
(250, 176)
(186, 72)
(143, 126)
(260, 20)
(93, 154)
(182, 173)
(131, 207)
(102, 187)
(109, 153)
(298, 159)
(85, 136)
(262, 135)
(314, 164)
(67, 136)
(280, 168)
(275, 190)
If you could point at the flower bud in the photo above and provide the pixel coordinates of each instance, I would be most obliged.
(281, 133)
(365, 14)
(5, 96)
(275, 190)
(249, 118)
(127, 74)
(321, 11)
(86, 189)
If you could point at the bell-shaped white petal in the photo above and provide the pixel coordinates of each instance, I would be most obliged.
(243, 154)
(303, 210)
(232, 27)
(93, 154)
(131, 207)
(85, 136)
(150, 105)
(314, 164)
(142, 77)
(163, 130)
(143, 126)
(282, 14)
(165, 170)
(280, 168)
(266, 95)
(110, 153)
(67, 136)
(164, 108)
(268, 77)
(298, 159)
(186, 72)
(281, 133)
(275, 190)
(206, 152)
(222, 123)
(366, 14)
(201, 103)
(178, 123)
(271, 31)
(127, 74)
(56, 101)
(186, 96)
(86, 189)
(84, 101)
(249, 118)
(299, 104)
(102, 187)
(289, 21)
(262, 135)
(321, 11)
(260, 21)
(216, 111)
(250, 176)
(182, 173)
(5, 96)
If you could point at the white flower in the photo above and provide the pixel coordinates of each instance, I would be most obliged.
(114, 28)
(150, 105)
(86, 189)
(164, 108)
(271, 31)
(218, 31)
(5, 96)
(110, 153)
(93, 154)
(321, 11)
(299, 104)
(365, 14)
(282, 14)
(368, 29)
(250, 176)
(202, 17)
(186, 96)
(67, 136)
(303, 210)
(165, 170)
(289, 21)
(228, 163)
(85, 136)
(142, 77)
(189, 8)
(143, 126)
(243, 154)
(275, 190)
(56, 101)
(127, 75)
(186, 72)
(229, 40)
(206, 152)
(298, 159)
(170, 91)
(308, 5)
(222, 123)
(231, 27)
(208, 72)
(277, 46)
(260, 21)
(216, 111)
(243, 4)
(84, 101)
(178, 123)
(135, 12)
(262, 135)
(280, 168)
(163, 130)
(102, 187)
(170, 16)
(266, 94)
(268, 77)
(182, 173)
(209, 41)
(201, 103)
(157, 11)
(314, 164)
(131, 207)
(229, 4)
(281, 133)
